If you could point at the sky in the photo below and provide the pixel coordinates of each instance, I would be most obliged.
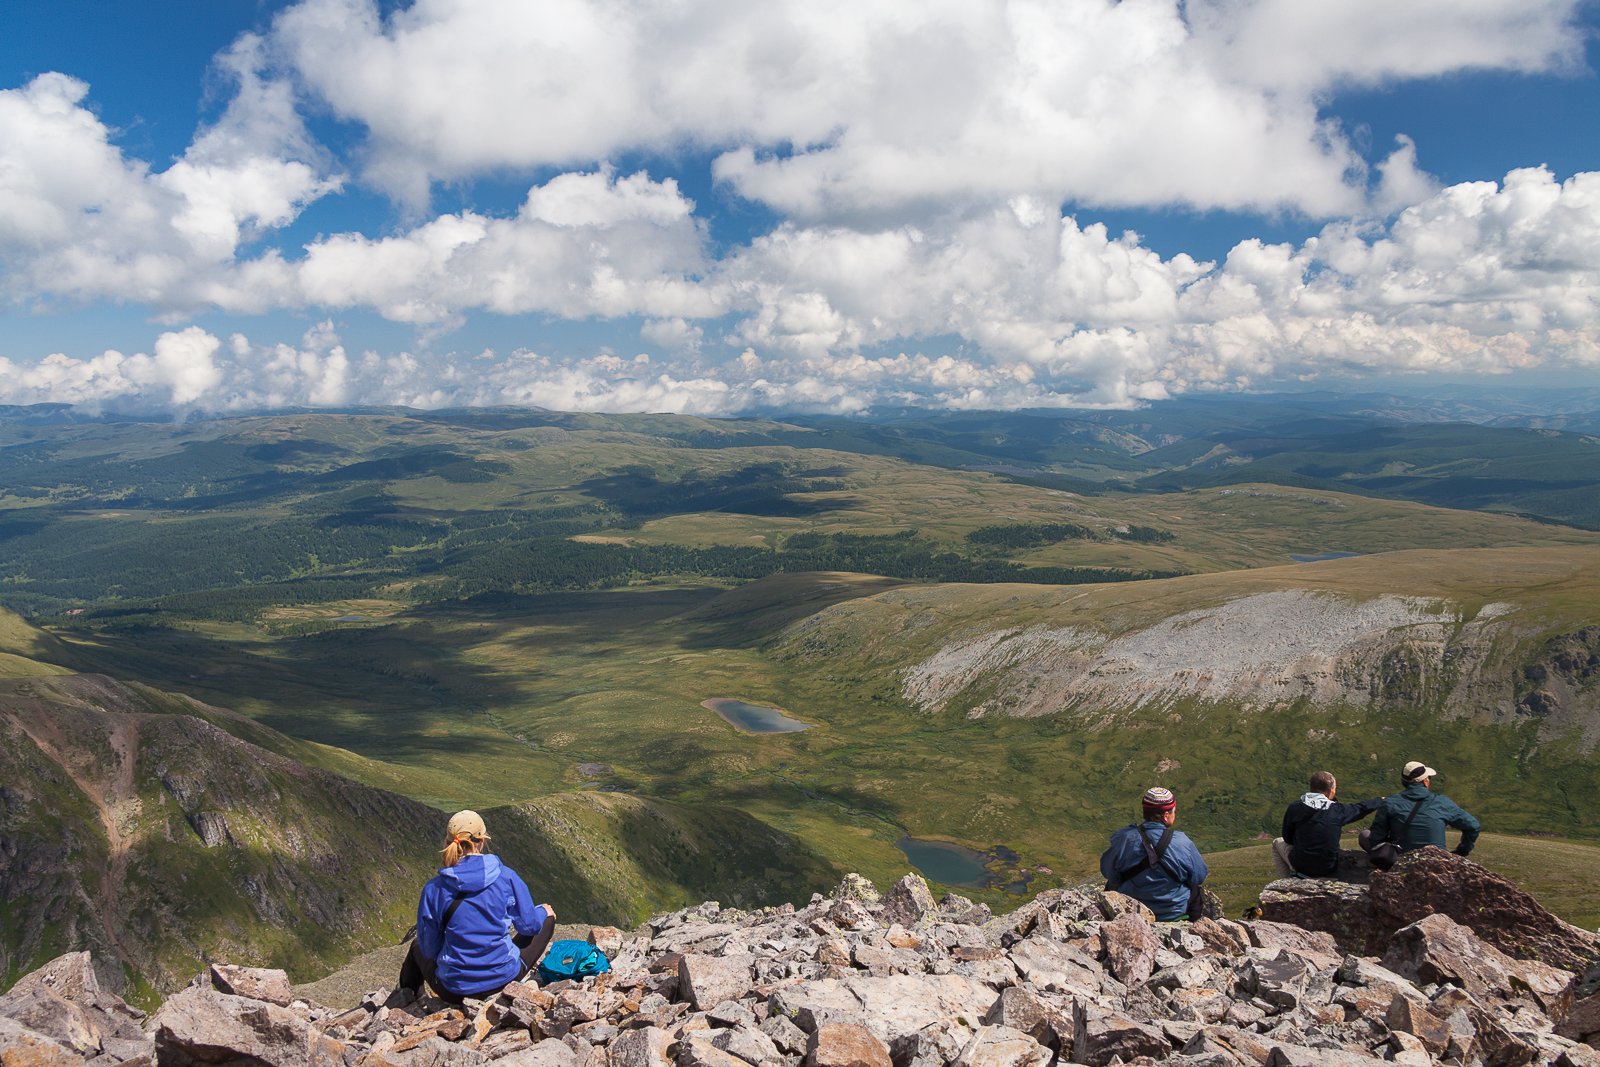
(718, 207)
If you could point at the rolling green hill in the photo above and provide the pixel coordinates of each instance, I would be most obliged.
(139, 523)
(1543, 472)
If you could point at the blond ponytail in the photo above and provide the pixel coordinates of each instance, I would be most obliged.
(460, 847)
(464, 837)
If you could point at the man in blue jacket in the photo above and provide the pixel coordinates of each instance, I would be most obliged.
(1155, 864)
(1416, 816)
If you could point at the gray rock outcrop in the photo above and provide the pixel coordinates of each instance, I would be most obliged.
(857, 980)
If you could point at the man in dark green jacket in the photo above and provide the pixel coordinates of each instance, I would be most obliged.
(1396, 822)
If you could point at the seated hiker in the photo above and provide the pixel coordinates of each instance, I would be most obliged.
(1155, 864)
(1310, 843)
(464, 947)
(1416, 817)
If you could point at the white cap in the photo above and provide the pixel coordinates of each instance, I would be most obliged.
(1416, 772)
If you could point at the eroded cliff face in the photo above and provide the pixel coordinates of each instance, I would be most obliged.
(1274, 649)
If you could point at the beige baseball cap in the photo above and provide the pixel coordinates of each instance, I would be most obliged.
(1416, 772)
(467, 824)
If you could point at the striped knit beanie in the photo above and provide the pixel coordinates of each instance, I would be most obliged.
(1159, 801)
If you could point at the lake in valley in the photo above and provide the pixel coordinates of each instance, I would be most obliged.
(754, 718)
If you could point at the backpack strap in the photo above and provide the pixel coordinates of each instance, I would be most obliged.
(455, 902)
(1152, 856)
(430, 967)
(1405, 826)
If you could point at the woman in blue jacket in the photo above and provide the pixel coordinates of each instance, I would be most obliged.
(465, 919)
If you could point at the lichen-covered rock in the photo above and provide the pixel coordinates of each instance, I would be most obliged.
(1001, 1046)
(62, 1006)
(1054, 967)
(1222, 936)
(1112, 904)
(57, 1018)
(707, 981)
(699, 1049)
(855, 888)
(1075, 975)
(70, 976)
(1022, 1010)
(1339, 909)
(1102, 1036)
(892, 1008)
(1583, 1021)
(647, 1046)
(28, 1048)
(607, 939)
(1407, 1016)
(1431, 881)
(1440, 950)
(1315, 946)
(908, 901)
(1129, 945)
(747, 1043)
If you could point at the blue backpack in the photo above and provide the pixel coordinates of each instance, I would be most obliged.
(571, 960)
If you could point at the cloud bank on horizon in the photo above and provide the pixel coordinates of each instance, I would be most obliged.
(910, 164)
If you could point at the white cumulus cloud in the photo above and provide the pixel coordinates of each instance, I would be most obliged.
(915, 156)
(854, 108)
(80, 220)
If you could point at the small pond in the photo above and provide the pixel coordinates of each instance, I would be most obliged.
(967, 868)
(1318, 557)
(944, 862)
(753, 718)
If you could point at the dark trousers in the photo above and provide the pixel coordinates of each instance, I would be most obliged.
(529, 946)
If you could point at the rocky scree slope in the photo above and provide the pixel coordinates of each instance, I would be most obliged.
(1258, 640)
(853, 979)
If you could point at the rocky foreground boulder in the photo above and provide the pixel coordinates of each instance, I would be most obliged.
(1431, 881)
(853, 979)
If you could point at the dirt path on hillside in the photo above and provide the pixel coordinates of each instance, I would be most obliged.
(116, 803)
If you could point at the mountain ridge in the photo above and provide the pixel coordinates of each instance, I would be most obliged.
(155, 837)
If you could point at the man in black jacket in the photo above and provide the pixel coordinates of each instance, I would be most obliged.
(1309, 846)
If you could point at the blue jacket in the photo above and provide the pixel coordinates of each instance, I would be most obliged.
(474, 954)
(1164, 889)
(1428, 827)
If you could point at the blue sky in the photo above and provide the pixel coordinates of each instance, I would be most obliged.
(719, 207)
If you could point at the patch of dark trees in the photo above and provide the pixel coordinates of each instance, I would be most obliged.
(1037, 534)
